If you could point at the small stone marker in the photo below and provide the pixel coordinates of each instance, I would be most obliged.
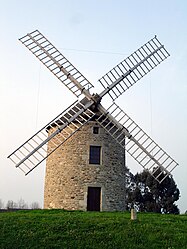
(133, 214)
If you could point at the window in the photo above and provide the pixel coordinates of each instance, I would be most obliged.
(95, 130)
(95, 154)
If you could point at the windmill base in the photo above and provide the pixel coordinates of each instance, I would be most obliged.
(76, 180)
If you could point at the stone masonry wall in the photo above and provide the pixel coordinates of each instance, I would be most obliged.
(69, 174)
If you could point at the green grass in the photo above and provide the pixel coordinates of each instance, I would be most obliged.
(110, 230)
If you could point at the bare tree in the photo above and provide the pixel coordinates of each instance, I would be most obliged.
(22, 204)
(35, 205)
(1, 204)
(10, 204)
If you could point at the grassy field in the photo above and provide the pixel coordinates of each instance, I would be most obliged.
(110, 230)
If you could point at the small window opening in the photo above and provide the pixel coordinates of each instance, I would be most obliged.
(95, 130)
(95, 155)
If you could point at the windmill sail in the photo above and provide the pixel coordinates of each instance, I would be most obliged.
(134, 67)
(56, 63)
(114, 120)
(136, 142)
(34, 151)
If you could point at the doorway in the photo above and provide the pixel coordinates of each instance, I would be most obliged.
(94, 199)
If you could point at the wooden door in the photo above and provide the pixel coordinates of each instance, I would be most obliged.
(94, 199)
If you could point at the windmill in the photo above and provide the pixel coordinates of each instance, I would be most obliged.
(85, 144)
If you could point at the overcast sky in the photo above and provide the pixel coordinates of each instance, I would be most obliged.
(94, 36)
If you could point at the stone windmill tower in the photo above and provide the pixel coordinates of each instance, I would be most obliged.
(85, 144)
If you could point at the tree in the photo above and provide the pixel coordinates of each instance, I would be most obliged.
(146, 194)
(11, 205)
(1, 204)
(22, 204)
(35, 205)
(133, 194)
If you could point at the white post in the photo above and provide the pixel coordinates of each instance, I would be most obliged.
(133, 214)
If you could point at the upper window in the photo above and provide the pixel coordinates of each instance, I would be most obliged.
(95, 130)
(95, 154)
